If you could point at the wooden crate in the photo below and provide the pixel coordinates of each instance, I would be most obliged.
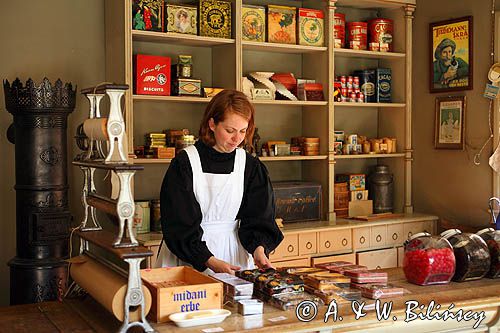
(200, 292)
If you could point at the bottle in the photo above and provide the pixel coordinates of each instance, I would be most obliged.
(428, 259)
(471, 255)
(492, 239)
(381, 189)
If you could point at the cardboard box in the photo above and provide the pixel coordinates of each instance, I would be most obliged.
(281, 24)
(298, 201)
(147, 15)
(181, 19)
(310, 27)
(253, 23)
(215, 18)
(180, 289)
(151, 75)
(141, 217)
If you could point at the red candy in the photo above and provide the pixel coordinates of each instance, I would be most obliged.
(429, 266)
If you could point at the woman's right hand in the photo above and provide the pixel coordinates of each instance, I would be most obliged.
(220, 266)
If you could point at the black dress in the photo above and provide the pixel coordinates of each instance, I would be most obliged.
(181, 214)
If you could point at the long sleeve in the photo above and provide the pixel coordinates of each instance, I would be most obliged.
(181, 214)
(257, 211)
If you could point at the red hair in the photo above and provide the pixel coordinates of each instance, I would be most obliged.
(225, 102)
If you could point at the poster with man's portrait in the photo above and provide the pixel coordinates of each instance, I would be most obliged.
(451, 55)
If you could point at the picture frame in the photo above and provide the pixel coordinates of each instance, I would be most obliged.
(450, 122)
(451, 55)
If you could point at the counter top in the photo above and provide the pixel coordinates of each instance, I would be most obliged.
(476, 296)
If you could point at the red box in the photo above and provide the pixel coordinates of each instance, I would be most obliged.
(151, 75)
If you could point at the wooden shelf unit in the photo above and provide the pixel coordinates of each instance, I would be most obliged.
(222, 63)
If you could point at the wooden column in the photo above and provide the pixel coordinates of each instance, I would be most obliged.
(331, 110)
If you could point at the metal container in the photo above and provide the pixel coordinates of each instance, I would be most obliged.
(368, 84)
(381, 31)
(38, 272)
(358, 32)
(339, 28)
(381, 189)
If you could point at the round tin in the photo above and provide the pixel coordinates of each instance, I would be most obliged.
(381, 31)
(339, 28)
(358, 32)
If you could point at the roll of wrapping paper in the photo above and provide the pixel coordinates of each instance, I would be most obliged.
(106, 286)
(95, 128)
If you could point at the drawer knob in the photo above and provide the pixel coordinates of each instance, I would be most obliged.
(378, 238)
(309, 245)
(344, 242)
(362, 239)
(394, 236)
(328, 244)
(410, 234)
(378, 267)
(290, 248)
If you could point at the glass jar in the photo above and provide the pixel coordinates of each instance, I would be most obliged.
(471, 255)
(492, 239)
(428, 259)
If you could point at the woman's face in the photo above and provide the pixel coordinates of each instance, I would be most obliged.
(230, 133)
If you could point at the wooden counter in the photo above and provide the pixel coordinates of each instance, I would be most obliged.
(86, 315)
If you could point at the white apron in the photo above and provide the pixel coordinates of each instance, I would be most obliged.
(219, 197)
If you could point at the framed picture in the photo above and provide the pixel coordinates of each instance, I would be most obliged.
(450, 122)
(451, 55)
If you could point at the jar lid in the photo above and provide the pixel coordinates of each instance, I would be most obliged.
(485, 230)
(417, 235)
(450, 232)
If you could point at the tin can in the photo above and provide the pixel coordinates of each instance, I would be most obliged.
(355, 82)
(358, 33)
(343, 92)
(381, 30)
(343, 81)
(339, 28)
(353, 97)
(360, 97)
(349, 82)
(155, 224)
(367, 82)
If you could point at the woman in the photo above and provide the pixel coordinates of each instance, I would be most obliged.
(217, 203)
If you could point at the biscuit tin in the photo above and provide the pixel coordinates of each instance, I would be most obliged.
(311, 27)
(147, 15)
(181, 19)
(281, 24)
(253, 23)
(215, 18)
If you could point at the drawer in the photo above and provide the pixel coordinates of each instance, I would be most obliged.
(292, 263)
(412, 228)
(378, 259)
(350, 257)
(335, 240)
(378, 235)
(395, 234)
(289, 247)
(307, 243)
(361, 238)
(401, 256)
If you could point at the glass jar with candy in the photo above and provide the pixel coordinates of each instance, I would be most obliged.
(471, 255)
(428, 259)
(492, 239)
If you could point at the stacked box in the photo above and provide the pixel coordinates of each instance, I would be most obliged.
(384, 78)
(151, 75)
(297, 201)
(181, 19)
(147, 15)
(311, 27)
(215, 18)
(281, 24)
(253, 23)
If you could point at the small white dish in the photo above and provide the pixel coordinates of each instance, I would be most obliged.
(201, 317)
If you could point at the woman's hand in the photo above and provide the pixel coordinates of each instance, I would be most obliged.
(220, 266)
(260, 259)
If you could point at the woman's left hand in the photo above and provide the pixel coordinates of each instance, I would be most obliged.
(260, 259)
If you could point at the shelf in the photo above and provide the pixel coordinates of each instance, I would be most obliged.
(180, 39)
(348, 53)
(370, 105)
(293, 158)
(152, 160)
(361, 156)
(281, 48)
(372, 4)
(283, 102)
(179, 99)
